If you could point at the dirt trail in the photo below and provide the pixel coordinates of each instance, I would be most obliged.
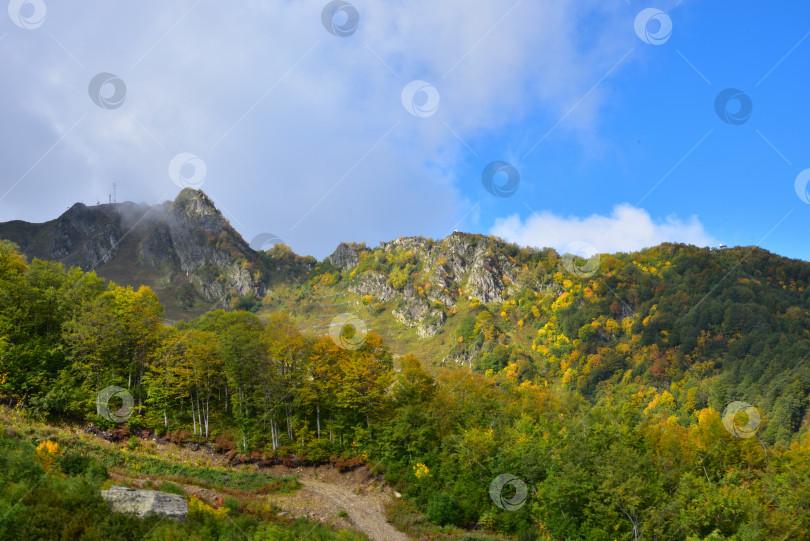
(326, 493)
(352, 500)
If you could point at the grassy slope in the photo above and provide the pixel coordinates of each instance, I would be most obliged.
(144, 463)
(171, 468)
(316, 310)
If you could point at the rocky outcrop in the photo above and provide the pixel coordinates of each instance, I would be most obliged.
(475, 266)
(442, 286)
(373, 283)
(155, 250)
(414, 311)
(102, 247)
(441, 295)
(411, 309)
(484, 266)
(345, 257)
(412, 244)
(205, 246)
(145, 502)
(485, 283)
(432, 324)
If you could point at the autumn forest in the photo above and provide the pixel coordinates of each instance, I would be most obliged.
(663, 396)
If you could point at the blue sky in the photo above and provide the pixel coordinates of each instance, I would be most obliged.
(300, 129)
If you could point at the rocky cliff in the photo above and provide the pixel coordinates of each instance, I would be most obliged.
(426, 277)
(184, 249)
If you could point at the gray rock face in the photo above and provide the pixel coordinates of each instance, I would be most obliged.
(413, 244)
(96, 235)
(153, 250)
(412, 308)
(145, 502)
(345, 257)
(183, 241)
(413, 311)
(474, 266)
(441, 284)
(193, 231)
(102, 247)
(485, 283)
(374, 283)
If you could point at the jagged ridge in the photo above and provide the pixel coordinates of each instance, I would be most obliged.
(183, 249)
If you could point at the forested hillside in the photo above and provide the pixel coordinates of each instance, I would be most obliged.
(705, 326)
(651, 395)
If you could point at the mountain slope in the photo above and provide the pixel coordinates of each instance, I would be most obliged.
(184, 250)
(655, 394)
(711, 326)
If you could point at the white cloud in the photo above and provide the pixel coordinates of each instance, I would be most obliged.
(198, 71)
(626, 229)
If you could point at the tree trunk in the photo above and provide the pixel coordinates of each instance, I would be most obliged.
(288, 414)
(193, 418)
(273, 434)
(207, 403)
(140, 386)
(318, 416)
(634, 521)
(199, 413)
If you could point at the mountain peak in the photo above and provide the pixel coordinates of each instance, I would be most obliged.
(184, 250)
(195, 202)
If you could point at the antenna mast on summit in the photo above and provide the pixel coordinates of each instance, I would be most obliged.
(114, 195)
